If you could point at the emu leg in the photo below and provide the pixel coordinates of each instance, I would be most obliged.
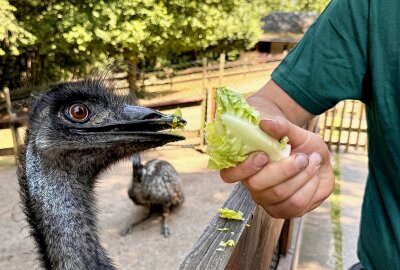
(165, 215)
(129, 228)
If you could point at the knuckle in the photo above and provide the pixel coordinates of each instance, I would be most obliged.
(260, 198)
(280, 192)
(310, 171)
(288, 172)
(253, 184)
(271, 210)
(275, 212)
(225, 175)
(257, 198)
(240, 172)
(298, 203)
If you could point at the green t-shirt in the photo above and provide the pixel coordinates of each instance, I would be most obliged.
(352, 51)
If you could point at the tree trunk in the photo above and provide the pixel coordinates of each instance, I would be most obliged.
(132, 60)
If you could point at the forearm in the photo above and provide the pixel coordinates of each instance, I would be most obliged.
(275, 102)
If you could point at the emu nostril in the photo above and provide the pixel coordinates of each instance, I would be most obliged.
(141, 113)
(152, 116)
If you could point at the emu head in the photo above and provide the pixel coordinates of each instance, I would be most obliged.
(84, 126)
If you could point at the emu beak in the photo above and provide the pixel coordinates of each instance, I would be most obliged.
(140, 123)
(151, 119)
(150, 122)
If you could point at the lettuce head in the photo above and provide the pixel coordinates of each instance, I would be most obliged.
(235, 133)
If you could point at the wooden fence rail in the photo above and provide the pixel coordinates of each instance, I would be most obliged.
(255, 238)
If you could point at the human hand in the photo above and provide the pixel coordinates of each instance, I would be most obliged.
(293, 186)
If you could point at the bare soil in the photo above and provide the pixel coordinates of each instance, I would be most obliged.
(145, 248)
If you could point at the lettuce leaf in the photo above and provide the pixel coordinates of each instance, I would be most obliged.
(230, 214)
(175, 123)
(235, 133)
(229, 243)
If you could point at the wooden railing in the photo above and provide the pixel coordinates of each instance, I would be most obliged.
(255, 238)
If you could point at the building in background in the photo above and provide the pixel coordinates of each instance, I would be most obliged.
(283, 30)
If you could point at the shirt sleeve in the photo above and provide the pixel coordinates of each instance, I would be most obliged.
(330, 62)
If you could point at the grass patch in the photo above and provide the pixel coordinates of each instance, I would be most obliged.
(335, 215)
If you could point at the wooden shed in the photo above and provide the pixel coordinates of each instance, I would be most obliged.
(283, 30)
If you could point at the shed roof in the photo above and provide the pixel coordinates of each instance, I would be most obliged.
(286, 27)
(293, 22)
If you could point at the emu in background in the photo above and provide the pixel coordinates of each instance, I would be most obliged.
(157, 186)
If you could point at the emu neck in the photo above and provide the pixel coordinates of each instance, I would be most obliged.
(61, 212)
(137, 170)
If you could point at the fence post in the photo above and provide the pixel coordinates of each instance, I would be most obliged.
(359, 125)
(203, 103)
(12, 115)
(221, 68)
(350, 126)
(332, 129)
(341, 126)
(211, 104)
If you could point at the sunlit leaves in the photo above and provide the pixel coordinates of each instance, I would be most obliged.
(12, 33)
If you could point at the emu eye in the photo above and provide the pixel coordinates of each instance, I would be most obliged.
(78, 112)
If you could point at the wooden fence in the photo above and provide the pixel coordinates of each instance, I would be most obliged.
(342, 127)
(345, 126)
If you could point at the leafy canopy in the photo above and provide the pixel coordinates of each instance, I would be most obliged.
(64, 39)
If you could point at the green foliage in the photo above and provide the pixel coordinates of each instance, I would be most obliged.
(65, 39)
(45, 41)
(12, 34)
(158, 29)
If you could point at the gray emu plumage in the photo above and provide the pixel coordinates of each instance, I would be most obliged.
(75, 132)
(157, 186)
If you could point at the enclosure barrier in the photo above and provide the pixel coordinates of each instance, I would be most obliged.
(345, 126)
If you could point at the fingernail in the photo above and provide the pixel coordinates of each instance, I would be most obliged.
(260, 160)
(301, 161)
(273, 121)
(315, 159)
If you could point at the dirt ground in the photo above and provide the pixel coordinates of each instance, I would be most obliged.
(145, 248)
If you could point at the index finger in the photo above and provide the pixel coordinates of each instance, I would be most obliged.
(252, 165)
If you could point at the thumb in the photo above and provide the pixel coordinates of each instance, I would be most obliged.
(279, 127)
